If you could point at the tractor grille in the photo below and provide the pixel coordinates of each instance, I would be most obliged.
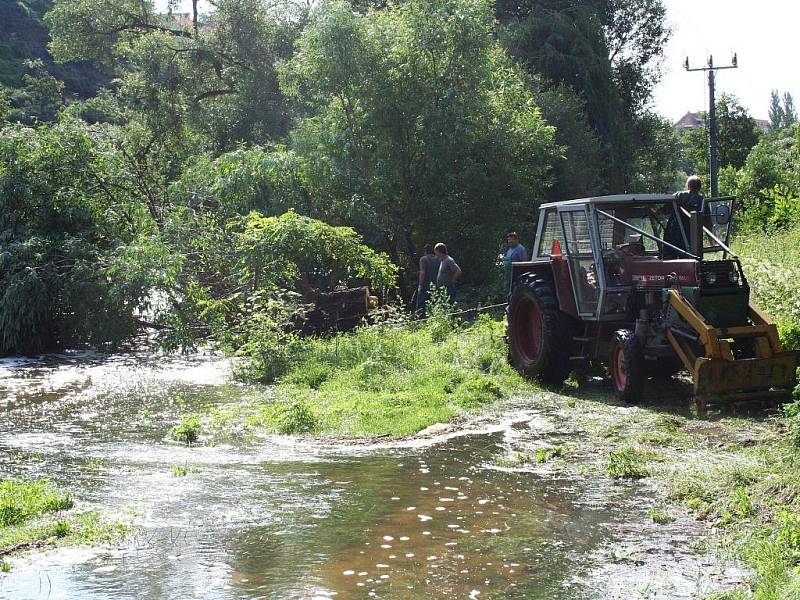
(717, 273)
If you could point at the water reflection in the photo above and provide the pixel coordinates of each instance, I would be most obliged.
(265, 519)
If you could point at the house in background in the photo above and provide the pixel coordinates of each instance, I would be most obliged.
(689, 121)
(695, 119)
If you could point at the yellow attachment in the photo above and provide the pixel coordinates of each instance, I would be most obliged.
(717, 374)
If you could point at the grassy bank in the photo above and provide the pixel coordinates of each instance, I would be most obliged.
(34, 513)
(386, 380)
(748, 486)
(749, 490)
(772, 265)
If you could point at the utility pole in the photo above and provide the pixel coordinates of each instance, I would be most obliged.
(712, 115)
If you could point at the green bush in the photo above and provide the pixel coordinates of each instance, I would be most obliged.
(187, 430)
(270, 352)
(297, 418)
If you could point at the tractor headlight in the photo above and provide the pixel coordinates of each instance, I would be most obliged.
(733, 277)
(711, 278)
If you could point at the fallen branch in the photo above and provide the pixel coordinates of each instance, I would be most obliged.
(26, 546)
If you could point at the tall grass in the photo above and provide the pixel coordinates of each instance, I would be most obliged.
(753, 493)
(21, 501)
(33, 511)
(772, 265)
(390, 380)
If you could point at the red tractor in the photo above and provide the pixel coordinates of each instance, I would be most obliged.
(643, 288)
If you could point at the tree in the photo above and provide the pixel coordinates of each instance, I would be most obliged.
(770, 174)
(789, 112)
(578, 170)
(418, 118)
(24, 37)
(636, 32)
(656, 164)
(737, 134)
(40, 98)
(776, 114)
(608, 52)
(63, 218)
(216, 76)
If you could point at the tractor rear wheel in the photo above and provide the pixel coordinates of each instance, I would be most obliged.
(627, 367)
(539, 335)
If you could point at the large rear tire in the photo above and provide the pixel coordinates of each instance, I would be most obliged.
(627, 367)
(539, 335)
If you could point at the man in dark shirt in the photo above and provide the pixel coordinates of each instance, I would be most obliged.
(428, 272)
(691, 200)
(449, 271)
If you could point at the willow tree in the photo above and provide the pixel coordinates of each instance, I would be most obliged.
(212, 73)
(65, 213)
(419, 126)
(609, 54)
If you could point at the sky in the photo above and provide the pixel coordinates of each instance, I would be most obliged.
(759, 32)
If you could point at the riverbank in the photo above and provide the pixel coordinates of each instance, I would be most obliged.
(35, 514)
(740, 476)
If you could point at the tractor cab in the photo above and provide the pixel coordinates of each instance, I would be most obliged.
(604, 248)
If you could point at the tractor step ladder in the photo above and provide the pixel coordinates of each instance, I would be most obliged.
(587, 343)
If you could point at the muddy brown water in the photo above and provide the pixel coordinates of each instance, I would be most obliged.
(283, 518)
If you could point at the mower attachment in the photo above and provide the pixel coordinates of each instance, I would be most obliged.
(720, 372)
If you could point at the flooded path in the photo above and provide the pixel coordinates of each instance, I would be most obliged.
(278, 518)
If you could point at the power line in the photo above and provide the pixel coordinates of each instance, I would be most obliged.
(711, 69)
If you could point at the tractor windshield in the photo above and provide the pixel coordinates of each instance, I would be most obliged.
(632, 228)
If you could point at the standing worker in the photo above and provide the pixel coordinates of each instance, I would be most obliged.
(449, 271)
(516, 253)
(428, 274)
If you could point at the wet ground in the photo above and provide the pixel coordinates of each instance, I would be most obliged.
(284, 518)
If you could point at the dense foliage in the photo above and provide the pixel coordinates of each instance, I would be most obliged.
(58, 241)
(24, 36)
(736, 135)
(427, 124)
(250, 153)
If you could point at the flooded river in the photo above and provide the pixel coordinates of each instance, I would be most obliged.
(283, 518)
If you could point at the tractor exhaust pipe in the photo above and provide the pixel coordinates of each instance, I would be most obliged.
(696, 233)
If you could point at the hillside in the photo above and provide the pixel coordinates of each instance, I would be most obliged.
(24, 36)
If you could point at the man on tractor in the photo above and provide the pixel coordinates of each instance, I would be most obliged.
(690, 200)
(599, 292)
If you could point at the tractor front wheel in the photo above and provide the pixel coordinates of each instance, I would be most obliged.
(627, 367)
(539, 335)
